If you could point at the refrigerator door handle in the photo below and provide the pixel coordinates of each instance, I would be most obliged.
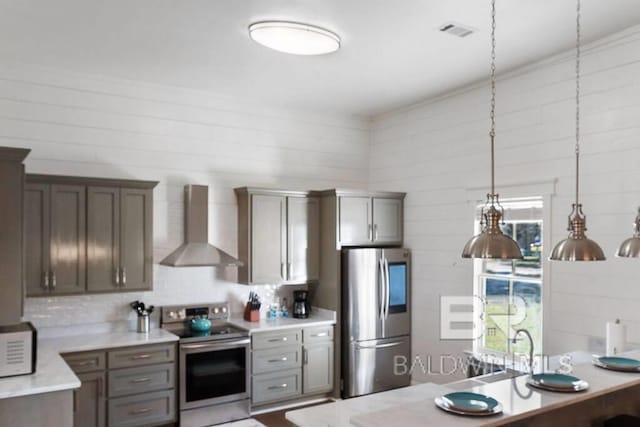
(387, 288)
(373, 347)
(382, 288)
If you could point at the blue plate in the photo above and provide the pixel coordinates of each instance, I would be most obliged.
(557, 382)
(467, 403)
(618, 363)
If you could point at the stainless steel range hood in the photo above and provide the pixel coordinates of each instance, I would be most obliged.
(196, 251)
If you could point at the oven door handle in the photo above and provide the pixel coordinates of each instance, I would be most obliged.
(214, 345)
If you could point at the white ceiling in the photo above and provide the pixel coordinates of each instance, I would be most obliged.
(392, 54)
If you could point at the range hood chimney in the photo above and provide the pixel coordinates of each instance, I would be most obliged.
(196, 251)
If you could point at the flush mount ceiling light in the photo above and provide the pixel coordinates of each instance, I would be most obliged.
(577, 247)
(294, 37)
(491, 242)
(630, 248)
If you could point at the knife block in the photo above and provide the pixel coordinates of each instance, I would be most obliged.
(251, 315)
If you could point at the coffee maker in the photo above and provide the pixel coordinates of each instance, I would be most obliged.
(301, 306)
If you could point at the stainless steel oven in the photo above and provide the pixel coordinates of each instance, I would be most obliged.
(214, 366)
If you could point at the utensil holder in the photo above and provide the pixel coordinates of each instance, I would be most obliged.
(143, 324)
(251, 315)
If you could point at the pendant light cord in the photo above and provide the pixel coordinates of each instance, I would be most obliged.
(492, 133)
(577, 101)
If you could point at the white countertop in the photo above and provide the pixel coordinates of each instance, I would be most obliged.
(414, 406)
(52, 372)
(318, 317)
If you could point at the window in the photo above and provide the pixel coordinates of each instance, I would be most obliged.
(511, 291)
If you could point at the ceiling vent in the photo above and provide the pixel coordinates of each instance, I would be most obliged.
(457, 30)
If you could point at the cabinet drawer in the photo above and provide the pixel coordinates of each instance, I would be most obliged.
(138, 380)
(276, 339)
(317, 334)
(275, 386)
(276, 359)
(86, 362)
(149, 408)
(140, 356)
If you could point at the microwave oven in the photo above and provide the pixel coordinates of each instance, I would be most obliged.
(18, 345)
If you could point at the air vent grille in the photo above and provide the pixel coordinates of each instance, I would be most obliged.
(15, 352)
(457, 30)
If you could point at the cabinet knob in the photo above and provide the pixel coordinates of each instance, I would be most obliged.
(53, 280)
(45, 281)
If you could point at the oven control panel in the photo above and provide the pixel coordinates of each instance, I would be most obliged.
(176, 314)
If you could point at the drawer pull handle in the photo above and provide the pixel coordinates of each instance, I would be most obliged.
(282, 359)
(321, 334)
(278, 339)
(278, 387)
(85, 363)
(140, 356)
(140, 411)
(140, 380)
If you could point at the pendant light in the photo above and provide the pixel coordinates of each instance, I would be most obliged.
(577, 247)
(630, 248)
(491, 242)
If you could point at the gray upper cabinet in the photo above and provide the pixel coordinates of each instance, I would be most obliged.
(11, 236)
(354, 220)
(55, 238)
(268, 239)
(366, 218)
(136, 238)
(87, 235)
(103, 238)
(387, 220)
(278, 236)
(303, 239)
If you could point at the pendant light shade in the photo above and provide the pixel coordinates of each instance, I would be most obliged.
(630, 248)
(491, 243)
(577, 247)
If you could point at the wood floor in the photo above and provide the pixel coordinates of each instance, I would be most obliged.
(277, 419)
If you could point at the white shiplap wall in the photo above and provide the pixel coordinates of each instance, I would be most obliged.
(91, 126)
(438, 150)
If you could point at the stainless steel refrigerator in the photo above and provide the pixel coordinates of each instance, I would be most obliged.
(376, 319)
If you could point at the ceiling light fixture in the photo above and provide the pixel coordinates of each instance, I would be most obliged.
(630, 248)
(577, 247)
(491, 242)
(294, 37)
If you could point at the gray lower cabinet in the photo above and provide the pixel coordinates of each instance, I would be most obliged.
(87, 235)
(55, 239)
(291, 364)
(89, 401)
(130, 386)
(317, 368)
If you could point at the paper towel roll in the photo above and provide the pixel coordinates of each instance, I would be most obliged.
(616, 337)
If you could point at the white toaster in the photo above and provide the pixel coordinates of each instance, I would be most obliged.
(17, 349)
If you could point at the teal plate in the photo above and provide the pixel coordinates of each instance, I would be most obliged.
(557, 382)
(617, 363)
(467, 403)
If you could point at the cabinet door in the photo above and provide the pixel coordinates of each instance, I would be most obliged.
(317, 368)
(268, 239)
(354, 224)
(387, 220)
(303, 239)
(136, 238)
(89, 402)
(68, 240)
(103, 238)
(36, 238)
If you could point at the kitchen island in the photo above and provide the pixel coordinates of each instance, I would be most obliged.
(610, 393)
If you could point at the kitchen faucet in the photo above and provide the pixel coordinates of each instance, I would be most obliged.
(530, 346)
